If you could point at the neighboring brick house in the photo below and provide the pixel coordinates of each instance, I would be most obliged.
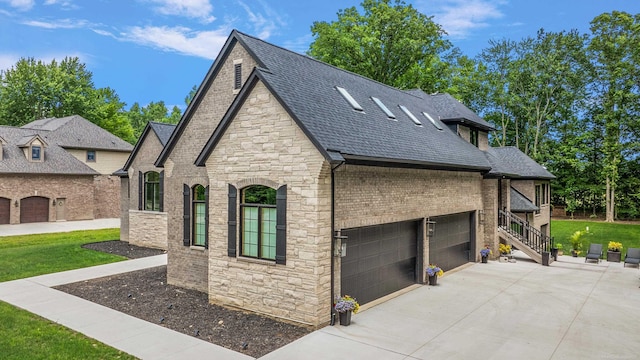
(292, 182)
(59, 169)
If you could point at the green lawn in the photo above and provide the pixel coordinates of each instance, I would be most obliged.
(24, 335)
(599, 232)
(27, 336)
(30, 255)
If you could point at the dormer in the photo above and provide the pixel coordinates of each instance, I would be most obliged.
(33, 147)
(2, 144)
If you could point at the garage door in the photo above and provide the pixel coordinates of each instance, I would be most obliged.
(34, 209)
(450, 244)
(380, 260)
(5, 208)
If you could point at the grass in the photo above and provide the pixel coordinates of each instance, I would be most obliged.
(599, 232)
(24, 335)
(30, 255)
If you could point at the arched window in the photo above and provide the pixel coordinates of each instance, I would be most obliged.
(199, 207)
(258, 222)
(152, 191)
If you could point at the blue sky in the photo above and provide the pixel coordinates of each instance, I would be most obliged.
(152, 50)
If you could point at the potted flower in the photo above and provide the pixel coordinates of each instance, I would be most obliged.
(484, 253)
(614, 250)
(433, 271)
(559, 247)
(504, 250)
(344, 307)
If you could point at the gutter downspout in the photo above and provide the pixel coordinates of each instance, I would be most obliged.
(333, 239)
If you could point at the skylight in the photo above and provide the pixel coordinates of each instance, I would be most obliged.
(349, 98)
(410, 115)
(383, 107)
(433, 121)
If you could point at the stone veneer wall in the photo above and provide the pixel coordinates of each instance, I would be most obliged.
(148, 229)
(263, 145)
(188, 266)
(76, 189)
(124, 208)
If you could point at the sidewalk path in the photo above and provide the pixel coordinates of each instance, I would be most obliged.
(57, 226)
(129, 334)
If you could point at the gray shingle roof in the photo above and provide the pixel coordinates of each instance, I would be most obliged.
(452, 110)
(76, 132)
(56, 160)
(511, 162)
(162, 131)
(520, 203)
(307, 89)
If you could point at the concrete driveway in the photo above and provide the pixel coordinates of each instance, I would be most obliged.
(58, 226)
(522, 310)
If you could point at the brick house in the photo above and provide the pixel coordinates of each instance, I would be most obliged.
(59, 169)
(292, 181)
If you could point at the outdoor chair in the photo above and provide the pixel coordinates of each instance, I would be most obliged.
(632, 257)
(595, 252)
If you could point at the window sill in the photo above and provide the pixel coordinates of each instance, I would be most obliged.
(256, 261)
(197, 248)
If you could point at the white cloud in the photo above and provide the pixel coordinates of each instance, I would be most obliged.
(57, 24)
(299, 44)
(264, 24)
(197, 9)
(22, 5)
(460, 17)
(205, 44)
(64, 4)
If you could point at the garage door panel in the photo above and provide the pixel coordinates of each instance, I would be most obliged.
(386, 259)
(450, 245)
(34, 209)
(5, 210)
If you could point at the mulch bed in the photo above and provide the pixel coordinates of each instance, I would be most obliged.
(146, 295)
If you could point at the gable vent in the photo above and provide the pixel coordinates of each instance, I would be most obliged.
(383, 107)
(410, 115)
(345, 94)
(433, 121)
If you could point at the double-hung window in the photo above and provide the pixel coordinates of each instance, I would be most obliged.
(199, 215)
(258, 222)
(152, 191)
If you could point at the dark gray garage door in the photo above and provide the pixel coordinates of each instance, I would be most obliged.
(5, 208)
(34, 209)
(380, 260)
(450, 245)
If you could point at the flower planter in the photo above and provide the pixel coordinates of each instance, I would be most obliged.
(484, 259)
(433, 280)
(554, 254)
(504, 258)
(613, 256)
(345, 318)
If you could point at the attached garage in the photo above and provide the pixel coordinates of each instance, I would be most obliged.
(5, 210)
(451, 243)
(380, 259)
(34, 209)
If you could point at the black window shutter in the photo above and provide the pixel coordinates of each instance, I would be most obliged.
(232, 224)
(186, 227)
(140, 189)
(161, 205)
(281, 225)
(206, 217)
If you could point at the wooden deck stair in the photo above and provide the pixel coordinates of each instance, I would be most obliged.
(519, 234)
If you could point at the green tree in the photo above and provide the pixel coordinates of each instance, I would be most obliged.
(155, 111)
(614, 102)
(390, 42)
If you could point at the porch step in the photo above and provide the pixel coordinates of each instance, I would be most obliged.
(512, 240)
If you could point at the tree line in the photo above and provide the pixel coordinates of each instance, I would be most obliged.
(32, 89)
(568, 100)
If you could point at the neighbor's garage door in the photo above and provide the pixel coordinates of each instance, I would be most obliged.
(5, 208)
(380, 260)
(450, 244)
(34, 209)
